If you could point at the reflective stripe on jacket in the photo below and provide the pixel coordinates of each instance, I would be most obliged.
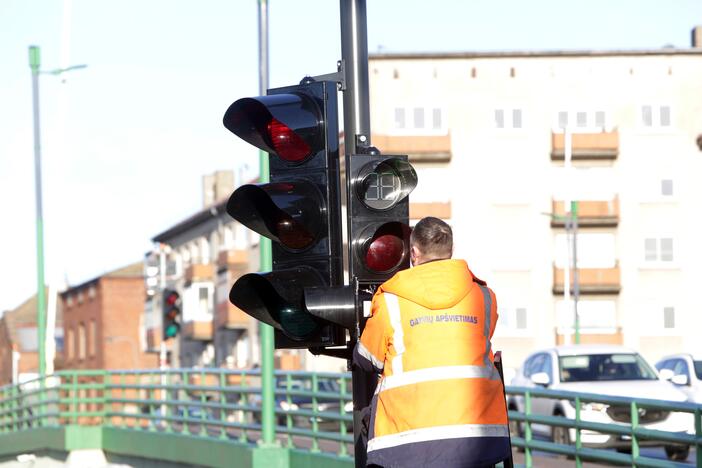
(439, 402)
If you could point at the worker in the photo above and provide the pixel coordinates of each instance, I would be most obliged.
(439, 401)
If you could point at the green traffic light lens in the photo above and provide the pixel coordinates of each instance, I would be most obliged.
(296, 322)
(172, 330)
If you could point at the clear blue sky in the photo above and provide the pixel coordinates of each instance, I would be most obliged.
(126, 140)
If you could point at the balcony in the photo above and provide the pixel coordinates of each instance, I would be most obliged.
(586, 146)
(230, 316)
(437, 209)
(197, 330)
(199, 272)
(591, 280)
(591, 336)
(599, 213)
(420, 148)
(232, 258)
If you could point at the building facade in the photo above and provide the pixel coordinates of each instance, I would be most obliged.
(486, 133)
(19, 357)
(102, 322)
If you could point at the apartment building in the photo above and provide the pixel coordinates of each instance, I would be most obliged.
(485, 132)
(102, 322)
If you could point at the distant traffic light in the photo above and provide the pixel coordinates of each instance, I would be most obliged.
(378, 216)
(299, 210)
(171, 313)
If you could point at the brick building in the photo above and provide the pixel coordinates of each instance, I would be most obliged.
(102, 322)
(18, 341)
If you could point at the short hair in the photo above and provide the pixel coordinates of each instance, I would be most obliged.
(433, 237)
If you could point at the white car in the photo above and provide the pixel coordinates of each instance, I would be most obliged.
(685, 371)
(605, 370)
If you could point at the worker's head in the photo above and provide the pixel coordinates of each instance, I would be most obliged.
(431, 239)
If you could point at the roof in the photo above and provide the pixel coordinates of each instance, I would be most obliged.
(25, 315)
(133, 270)
(530, 54)
(212, 211)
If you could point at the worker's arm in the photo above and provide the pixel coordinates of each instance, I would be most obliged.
(369, 353)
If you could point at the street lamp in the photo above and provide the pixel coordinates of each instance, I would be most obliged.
(34, 63)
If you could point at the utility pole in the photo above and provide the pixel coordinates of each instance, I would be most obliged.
(266, 333)
(34, 65)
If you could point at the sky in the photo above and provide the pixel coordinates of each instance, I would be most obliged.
(126, 140)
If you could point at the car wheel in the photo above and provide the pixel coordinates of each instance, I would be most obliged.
(561, 435)
(677, 453)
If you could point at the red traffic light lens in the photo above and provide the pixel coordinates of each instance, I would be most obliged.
(172, 298)
(385, 252)
(286, 142)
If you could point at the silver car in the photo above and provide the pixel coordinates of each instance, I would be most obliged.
(685, 371)
(605, 370)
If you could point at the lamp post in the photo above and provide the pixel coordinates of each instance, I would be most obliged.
(34, 64)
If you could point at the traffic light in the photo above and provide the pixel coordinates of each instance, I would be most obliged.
(299, 209)
(378, 216)
(171, 313)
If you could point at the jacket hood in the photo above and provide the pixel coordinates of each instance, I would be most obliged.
(436, 285)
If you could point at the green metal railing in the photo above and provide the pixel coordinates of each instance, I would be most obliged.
(633, 432)
(222, 408)
(207, 404)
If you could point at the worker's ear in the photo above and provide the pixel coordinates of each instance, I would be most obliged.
(415, 253)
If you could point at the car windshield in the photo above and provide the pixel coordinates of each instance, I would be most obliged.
(594, 367)
(698, 369)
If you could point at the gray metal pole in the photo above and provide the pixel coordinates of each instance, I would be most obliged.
(357, 136)
(34, 64)
(354, 53)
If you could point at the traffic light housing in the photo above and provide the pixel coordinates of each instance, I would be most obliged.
(299, 209)
(378, 189)
(171, 313)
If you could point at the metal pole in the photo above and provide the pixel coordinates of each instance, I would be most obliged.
(34, 64)
(567, 150)
(576, 277)
(266, 331)
(357, 135)
(354, 53)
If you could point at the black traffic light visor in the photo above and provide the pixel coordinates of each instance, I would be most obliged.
(287, 125)
(384, 183)
(277, 298)
(290, 213)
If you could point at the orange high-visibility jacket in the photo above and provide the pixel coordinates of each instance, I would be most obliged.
(439, 401)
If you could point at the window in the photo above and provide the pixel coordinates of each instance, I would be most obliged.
(81, 341)
(512, 318)
(668, 317)
(418, 117)
(508, 118)
(424, 119)
(204, 300)
(659, 318)
(582, 120)
(656, 116)
(436, 118)
(658, 249)
(534, 365)
(667, 187)
(70, 354)
(92, 338)
(399, 117)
